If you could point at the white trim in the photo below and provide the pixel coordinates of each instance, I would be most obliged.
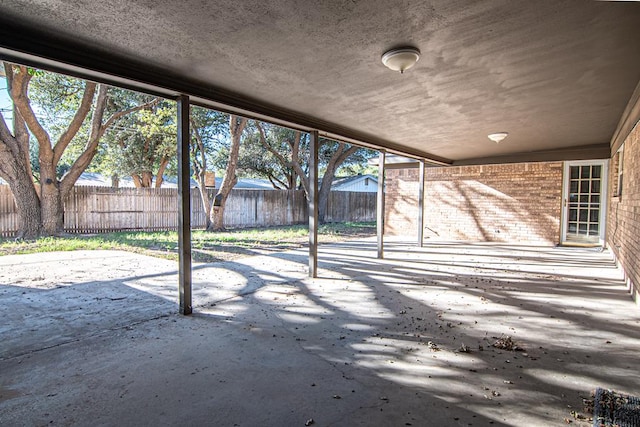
(620, 174)
(604, 197)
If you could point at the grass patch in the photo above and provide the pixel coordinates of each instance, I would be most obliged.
(206, 246)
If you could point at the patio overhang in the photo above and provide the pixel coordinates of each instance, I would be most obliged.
(557, 75)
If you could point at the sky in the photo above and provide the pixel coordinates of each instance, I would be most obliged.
(5, 102)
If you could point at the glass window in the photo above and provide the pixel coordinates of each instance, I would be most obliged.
(573, 187)
(575, 172)
(573, 214)
(584, 214)
(585, 172)
(594, 215)
(620, 171)
(584, 186)
(596, 172)
(595, 186)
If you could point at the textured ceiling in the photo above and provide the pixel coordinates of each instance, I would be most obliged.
(554, 74)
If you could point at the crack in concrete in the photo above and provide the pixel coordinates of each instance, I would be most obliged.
(85, 337)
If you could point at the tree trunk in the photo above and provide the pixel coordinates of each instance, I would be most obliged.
(137, 181)
(51, 197)
(199, 167)
(164, 162)
(16, 170)
(147, 179)
(206, 205)
(51, 203)
(236, 127)
(340, 155)
(28, 207)
(49, 209)
(142, 180)
(323, 195)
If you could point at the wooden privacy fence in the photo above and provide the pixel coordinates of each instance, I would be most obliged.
(103, 209)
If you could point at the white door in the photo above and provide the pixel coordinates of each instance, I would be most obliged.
(585, 201)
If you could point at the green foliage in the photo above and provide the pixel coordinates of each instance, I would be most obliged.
(141, 141)
(213, 128)
(55, 98)
(357, 164)
(136, 141)
(258, 162)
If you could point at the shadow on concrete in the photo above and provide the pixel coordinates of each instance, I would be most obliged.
(402, 341)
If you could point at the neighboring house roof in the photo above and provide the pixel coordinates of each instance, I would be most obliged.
(249, 184)
(355, 183)
(92, 178)
(99, 180)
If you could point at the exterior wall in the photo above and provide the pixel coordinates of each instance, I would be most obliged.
(401, 201)
(507, 203)
(623, 226)
(364, 185)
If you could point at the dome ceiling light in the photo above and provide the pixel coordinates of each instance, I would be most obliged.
(498, 136)
(401, 59)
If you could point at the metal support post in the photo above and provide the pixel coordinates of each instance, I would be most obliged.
(313, 204)
(184, 208)
(421, 205)
(380, 205)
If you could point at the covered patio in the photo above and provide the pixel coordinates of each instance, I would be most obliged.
(371, 332)
(408, 340)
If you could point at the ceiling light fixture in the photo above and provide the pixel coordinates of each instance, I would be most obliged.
(498, 136)
(401, 59)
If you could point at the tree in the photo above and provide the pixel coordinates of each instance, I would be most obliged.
(237, 125)
(258, 160)
(335, 153)
(143, 143)
(290, 149)
(40, 210)
(210, 131)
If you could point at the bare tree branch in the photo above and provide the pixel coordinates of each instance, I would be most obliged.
(237, 125)
(119, 114)
(6, 137)
(265, 144)
(78, 118)
(18, 79)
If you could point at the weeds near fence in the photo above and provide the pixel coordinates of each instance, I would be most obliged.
(206, 246)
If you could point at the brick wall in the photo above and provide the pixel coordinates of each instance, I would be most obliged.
(507, 203)
(623, 221)
(401, 202)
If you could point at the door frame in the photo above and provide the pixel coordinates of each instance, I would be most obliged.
(604, 197)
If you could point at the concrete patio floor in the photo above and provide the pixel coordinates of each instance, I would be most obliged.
(93, 338)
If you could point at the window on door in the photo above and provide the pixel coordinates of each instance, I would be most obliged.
(585, 187)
